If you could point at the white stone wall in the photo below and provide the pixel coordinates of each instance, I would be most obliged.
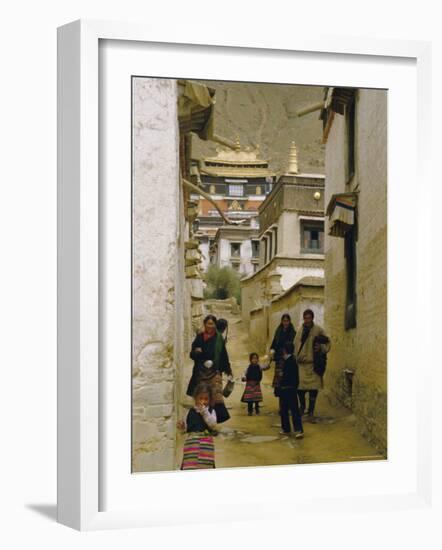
(204, 249)
(246, 258)
(157, 272)
(224, 253)
(289, 237)
(291, 275)
(252, 289)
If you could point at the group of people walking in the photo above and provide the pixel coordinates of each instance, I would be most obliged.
(300, 361)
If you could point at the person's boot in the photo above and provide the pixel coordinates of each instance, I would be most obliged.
(311, 411)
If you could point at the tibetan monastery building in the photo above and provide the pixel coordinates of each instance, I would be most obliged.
(238, 181)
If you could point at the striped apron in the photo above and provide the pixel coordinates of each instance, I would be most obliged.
(199, 451)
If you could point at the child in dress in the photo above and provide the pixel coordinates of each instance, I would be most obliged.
(252, 377)
(199, 448)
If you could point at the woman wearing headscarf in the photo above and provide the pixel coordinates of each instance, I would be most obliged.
(284, 334)
(210, 362)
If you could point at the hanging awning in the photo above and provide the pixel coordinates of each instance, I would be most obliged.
(336, 100)
(341, 213)
(340, 98)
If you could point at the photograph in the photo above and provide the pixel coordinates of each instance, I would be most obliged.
(259, 274)
(219, 223)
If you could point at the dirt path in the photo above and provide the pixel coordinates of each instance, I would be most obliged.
(255, 441)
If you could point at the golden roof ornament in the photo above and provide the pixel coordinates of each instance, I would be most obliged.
(236, 161)
(235, 205)
(293, 159)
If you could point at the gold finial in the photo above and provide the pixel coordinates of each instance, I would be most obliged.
(237, 144)
(293, 159)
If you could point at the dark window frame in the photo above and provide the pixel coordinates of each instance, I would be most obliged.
(350, 118)
(309, 225)
(232, 246)
(350, 254)
(270, 246)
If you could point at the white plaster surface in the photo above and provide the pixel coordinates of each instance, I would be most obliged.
(156, 203)
(291, 275)
(246, 266)
(204, 248)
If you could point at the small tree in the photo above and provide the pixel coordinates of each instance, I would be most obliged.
(222, 283)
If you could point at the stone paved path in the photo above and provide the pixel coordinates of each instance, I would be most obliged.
(255, 441)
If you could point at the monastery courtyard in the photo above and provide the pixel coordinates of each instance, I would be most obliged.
(255, 441)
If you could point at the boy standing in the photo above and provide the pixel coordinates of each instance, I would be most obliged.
(288, 394)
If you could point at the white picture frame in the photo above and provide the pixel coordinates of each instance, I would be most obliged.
(79, 438)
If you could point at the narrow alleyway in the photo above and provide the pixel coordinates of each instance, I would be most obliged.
(255, 441)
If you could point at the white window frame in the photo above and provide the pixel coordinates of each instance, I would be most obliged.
(236, 186)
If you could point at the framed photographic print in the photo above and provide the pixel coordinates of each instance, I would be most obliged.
(232, 292)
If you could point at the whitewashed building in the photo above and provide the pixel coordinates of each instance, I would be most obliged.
(238, 181)
(291, 239)
(237, 247)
